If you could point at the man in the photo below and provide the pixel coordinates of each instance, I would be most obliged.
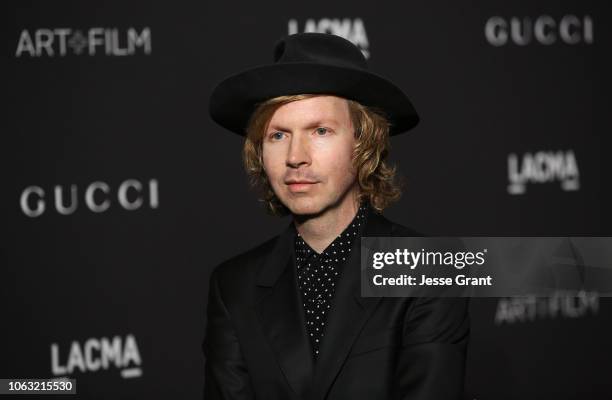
(286, 319)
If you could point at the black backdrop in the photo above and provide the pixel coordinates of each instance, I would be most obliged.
(107, 101)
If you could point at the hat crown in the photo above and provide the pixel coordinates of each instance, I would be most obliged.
(320, 48)
(310, 63)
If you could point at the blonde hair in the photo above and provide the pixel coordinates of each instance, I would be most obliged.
(376, 179)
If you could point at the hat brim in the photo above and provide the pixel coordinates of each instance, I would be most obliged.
(234, 99)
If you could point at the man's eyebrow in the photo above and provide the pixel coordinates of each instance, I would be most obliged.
(322, 122)
(278, 128)
(312, 125)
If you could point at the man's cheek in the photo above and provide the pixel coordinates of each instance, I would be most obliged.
(340, 162)
(269, 167)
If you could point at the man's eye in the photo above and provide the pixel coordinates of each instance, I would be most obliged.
(321, 131)
(276, 135)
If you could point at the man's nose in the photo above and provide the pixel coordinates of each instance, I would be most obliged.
(298, 153)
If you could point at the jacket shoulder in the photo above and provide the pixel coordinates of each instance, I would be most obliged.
(395, 229)
(401, 230)
(243, 265)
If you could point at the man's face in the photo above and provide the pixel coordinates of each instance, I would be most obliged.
(307, 150)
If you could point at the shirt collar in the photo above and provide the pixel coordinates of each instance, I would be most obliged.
(351, 233)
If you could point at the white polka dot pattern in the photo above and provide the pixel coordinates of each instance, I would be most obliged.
(318, 275)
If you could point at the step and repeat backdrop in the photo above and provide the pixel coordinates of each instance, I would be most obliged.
(120, 195)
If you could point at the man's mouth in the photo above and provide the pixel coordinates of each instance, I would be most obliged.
(296, 186)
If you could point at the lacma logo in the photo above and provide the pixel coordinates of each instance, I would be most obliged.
(350, 29)
(98, 354)
(544, 29)
(542, 167)
(59, 42)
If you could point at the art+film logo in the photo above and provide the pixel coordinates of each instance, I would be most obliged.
(561, 305)
(60, 42)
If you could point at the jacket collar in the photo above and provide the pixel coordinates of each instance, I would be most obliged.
(276, 261)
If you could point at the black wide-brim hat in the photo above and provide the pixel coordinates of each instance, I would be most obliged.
(310, 63)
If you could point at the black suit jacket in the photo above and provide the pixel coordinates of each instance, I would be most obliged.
(374, 348)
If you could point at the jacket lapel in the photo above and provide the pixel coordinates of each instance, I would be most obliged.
(281, 314)
(348, 313)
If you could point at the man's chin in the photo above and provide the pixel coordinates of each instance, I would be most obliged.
(304, 207)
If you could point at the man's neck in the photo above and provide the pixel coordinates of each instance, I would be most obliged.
(320, 231)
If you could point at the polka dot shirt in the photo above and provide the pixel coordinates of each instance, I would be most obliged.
(318, 275)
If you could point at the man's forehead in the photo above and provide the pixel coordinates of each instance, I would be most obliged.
(321, 109)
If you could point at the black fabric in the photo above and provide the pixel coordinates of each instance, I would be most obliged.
(256, 345)
(310, 63)
(318, 274)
